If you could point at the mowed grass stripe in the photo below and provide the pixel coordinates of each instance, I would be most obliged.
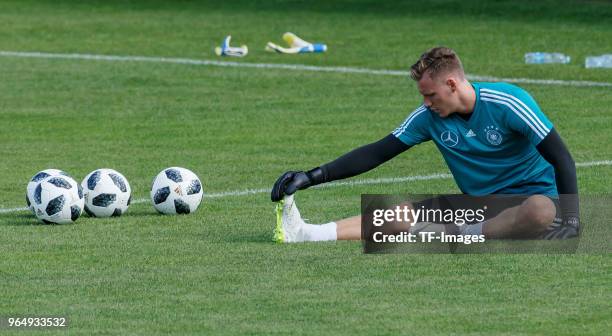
(298, 67)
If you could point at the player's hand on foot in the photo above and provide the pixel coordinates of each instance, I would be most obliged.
(289, 183)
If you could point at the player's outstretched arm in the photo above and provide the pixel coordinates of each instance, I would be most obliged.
(350, 164)
(555, 152)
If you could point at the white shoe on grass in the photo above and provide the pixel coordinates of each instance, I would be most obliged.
(289, 223)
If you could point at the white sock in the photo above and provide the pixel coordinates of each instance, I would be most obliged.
(474, 229)
(324, 232)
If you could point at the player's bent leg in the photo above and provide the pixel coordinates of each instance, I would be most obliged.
(527, 220)
(534, 216)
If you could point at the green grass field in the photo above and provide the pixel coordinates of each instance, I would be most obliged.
(217, 271)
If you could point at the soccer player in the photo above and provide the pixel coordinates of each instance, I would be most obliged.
(494, 139)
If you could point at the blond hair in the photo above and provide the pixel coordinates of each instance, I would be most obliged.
(436, 61)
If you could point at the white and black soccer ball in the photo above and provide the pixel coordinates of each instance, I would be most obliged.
(176, 190)
(34, 182)
(58, 200)
(107, 193)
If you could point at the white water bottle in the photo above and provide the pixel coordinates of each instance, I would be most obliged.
(544, 58)
(603, 61)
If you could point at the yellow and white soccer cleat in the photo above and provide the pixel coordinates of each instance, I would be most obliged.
(289, 223)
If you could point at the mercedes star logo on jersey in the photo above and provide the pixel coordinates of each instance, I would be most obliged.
(449, 138)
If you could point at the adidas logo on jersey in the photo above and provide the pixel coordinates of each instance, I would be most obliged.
(470, 134)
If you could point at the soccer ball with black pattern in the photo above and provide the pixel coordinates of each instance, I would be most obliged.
(176, 190)
(57, 200)
(34, 182)
(107, 193)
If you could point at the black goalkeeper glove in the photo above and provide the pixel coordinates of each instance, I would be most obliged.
(292, 181)
(570, 228)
